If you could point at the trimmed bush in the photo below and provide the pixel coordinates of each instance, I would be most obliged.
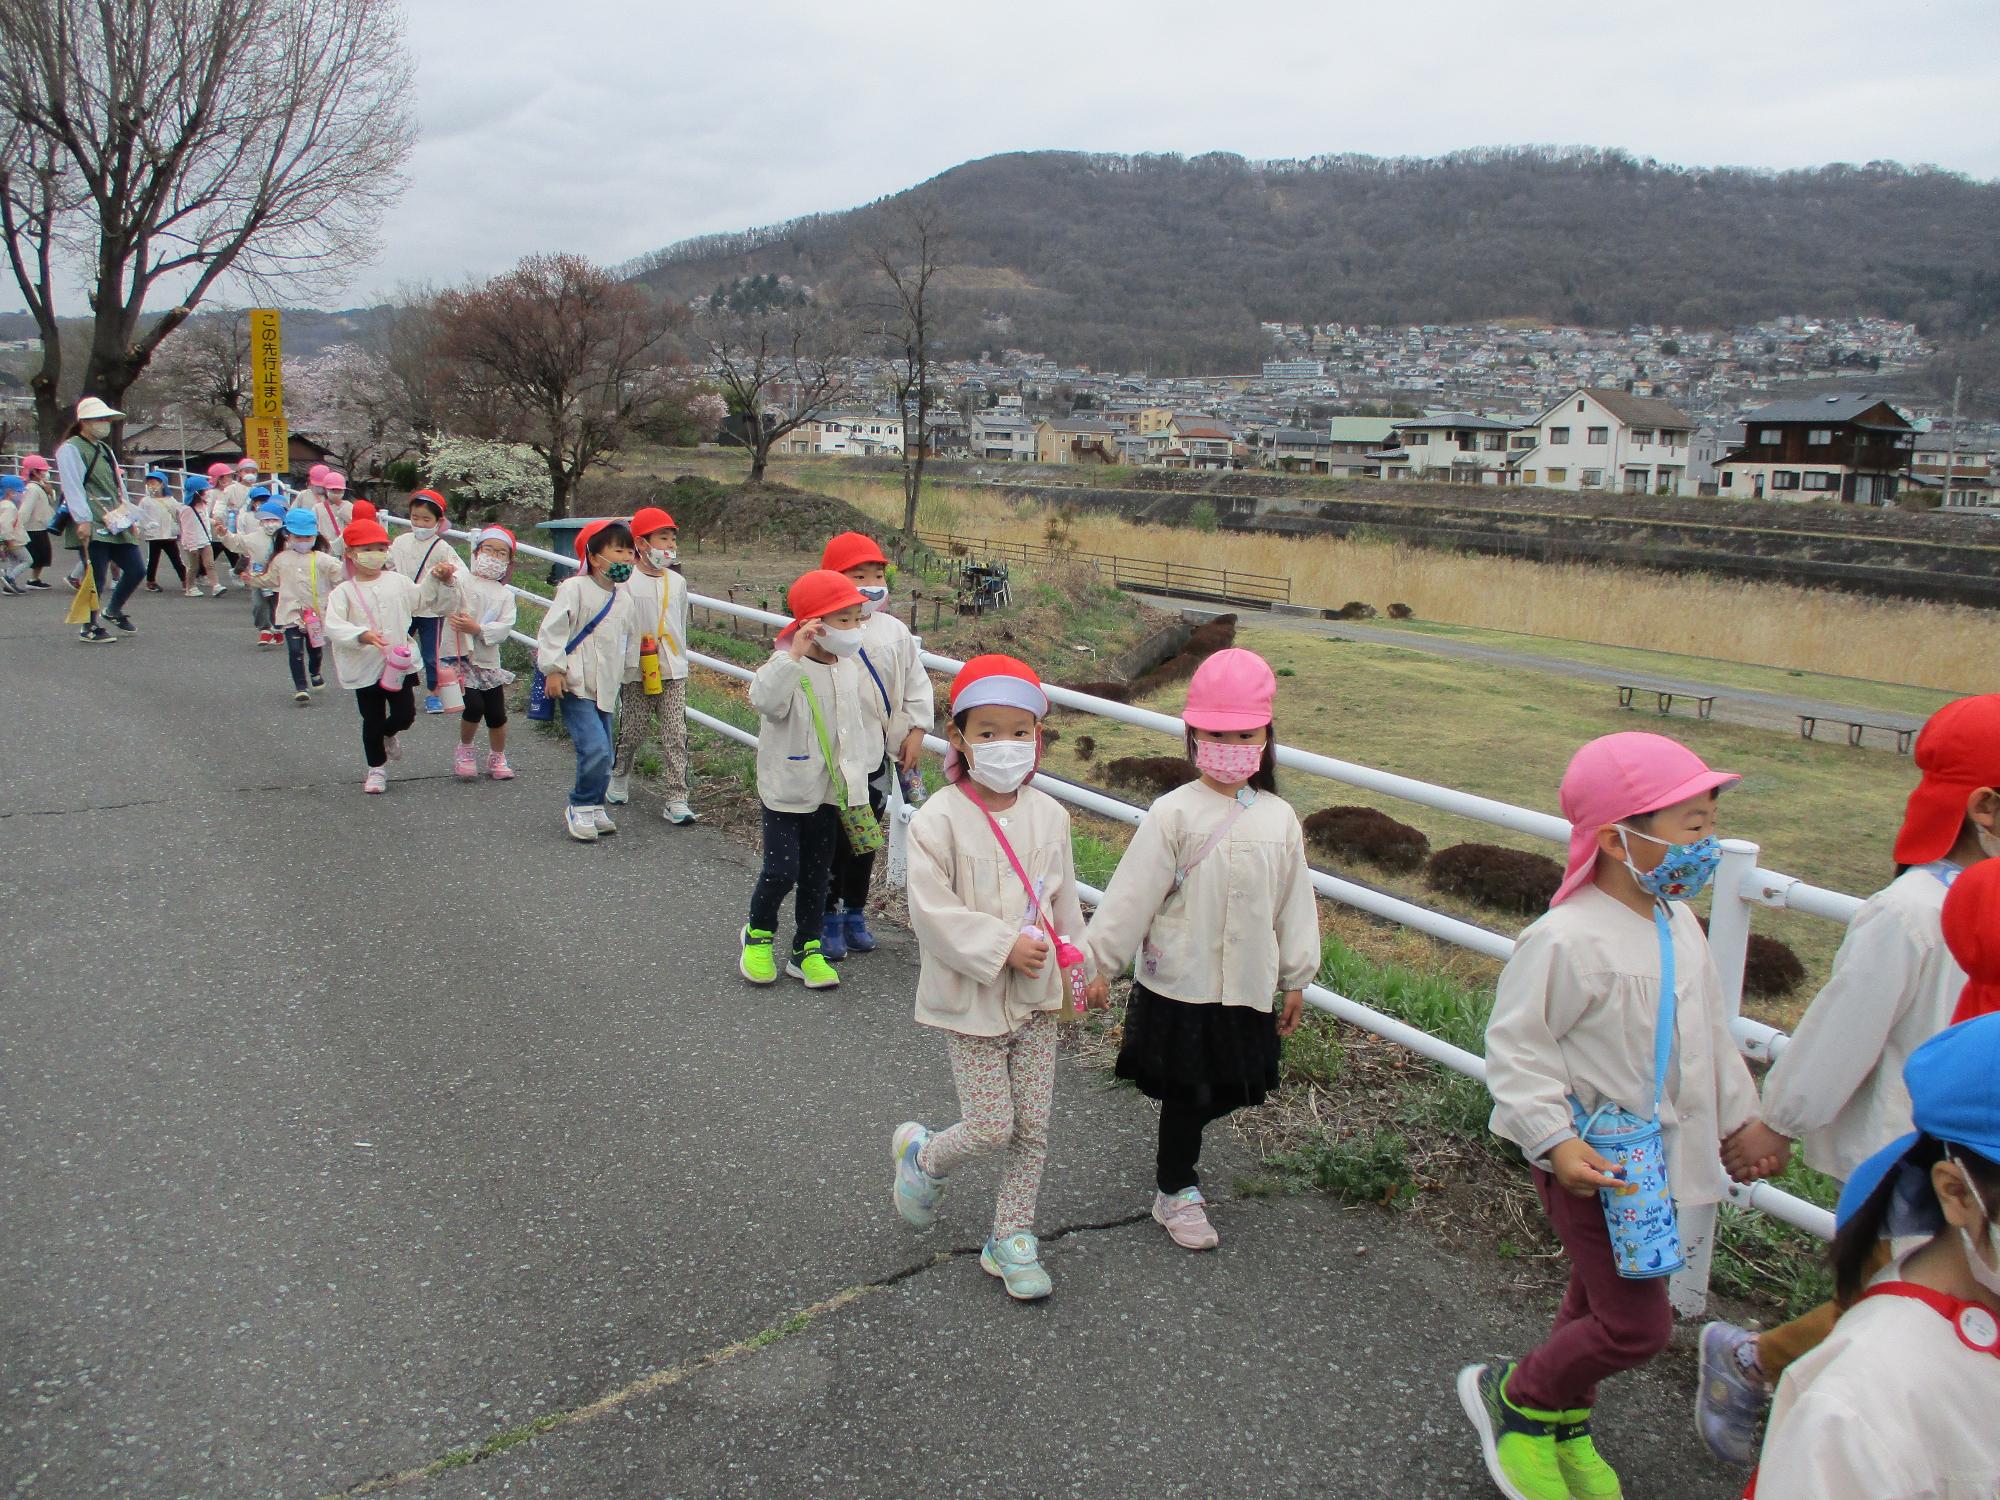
(1504, 879)
(1086, 747)
(1401, 612)
(1771, 970)
(1364, 833)
(1154, 774)
(1354, 609)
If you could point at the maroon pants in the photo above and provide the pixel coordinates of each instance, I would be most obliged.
(1607, 1322)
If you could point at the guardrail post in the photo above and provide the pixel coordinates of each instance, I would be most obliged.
(1729, 941)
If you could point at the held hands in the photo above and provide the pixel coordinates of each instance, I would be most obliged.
(1028, 955)
(555, 684)
(1755, 1152)
(805, 638)
(444, 569)
(1581, 1171)
(1294, 1012)
(1097, 994)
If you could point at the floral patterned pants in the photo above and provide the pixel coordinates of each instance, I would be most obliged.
(1005, 1087)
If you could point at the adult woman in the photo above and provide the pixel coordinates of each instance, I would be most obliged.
(94, 493)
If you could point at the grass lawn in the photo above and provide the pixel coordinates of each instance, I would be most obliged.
(1888, 697)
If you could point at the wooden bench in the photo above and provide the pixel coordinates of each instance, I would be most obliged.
(1809, 725)
(1704, 703)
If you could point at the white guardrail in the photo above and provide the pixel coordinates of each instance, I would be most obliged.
(1739, 885)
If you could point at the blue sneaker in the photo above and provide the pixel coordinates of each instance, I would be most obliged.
(833, 937)
(433, 704)
(1017, 1261)
(1729, 1401)
(859, 938)
(917, 1192)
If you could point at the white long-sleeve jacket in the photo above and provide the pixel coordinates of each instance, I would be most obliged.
(661, 600)
(896, 690)
(792, 773)
(414, 557)
(596, 668)
(490, 603)
(382, 605)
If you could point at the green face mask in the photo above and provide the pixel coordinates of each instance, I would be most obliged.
(617, 572)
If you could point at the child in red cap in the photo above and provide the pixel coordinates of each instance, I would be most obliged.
(589, 639)
(809, 766)
(660, 597)
(992, 898)
(1576, 1030)
(1215, 900)
(368, 622)
(413, 554)
(898, 708)
(1837, 1087)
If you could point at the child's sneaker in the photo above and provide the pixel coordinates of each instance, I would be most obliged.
(1583, 1468)
(95, 635)
(191, 593)
(759, 964)
(602, 819)
(497, 767)
(1729, 1399)
(1518, 1444)
(582, 827)
(375, 782)
(1186, 1221)
(218, 591)
(810, 965)
(679, 814)
(618, 791)
(433, 704)
(916, 1192)
(302, 697)
(463, 765)
(1017, 1261)
(833, 937)
(859, 938)
(267, 638)
(392, 746)
(316, 681)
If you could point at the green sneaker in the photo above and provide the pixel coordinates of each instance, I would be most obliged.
(758, 965)
(810, 965)
(1584, 1470)
(1518, 1444)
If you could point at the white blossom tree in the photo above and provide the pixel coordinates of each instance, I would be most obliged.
(348, 399)
(490, 475)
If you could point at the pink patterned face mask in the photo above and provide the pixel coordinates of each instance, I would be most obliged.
(1228, 761)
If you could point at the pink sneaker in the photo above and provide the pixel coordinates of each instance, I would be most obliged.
(1185, 1220)
(392, 745)
(375, 782)
(497, 767)
(463, 766)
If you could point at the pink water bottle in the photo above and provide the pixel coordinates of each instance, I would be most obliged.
(397, 663)
(313, 625)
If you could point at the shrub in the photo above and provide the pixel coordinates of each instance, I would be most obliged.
(1086, 747)
(1771, 970)
(1117, 692)
(1050, 736)
(1504, 879)
(1364, 833)
(1354, 609)
(1202, 516)
(1150, 773)
(1401, 612)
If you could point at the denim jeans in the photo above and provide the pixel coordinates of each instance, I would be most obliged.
(427, 647)
(589, 730)
(298, 652)
(131, 565)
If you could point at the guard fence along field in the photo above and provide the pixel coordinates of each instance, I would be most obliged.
(1740, 886)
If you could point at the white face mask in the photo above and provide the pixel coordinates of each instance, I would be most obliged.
(1004, 765)
(417, 528)
(487, 566)
(300, 543)
(1984, 1271)
(840, 642)
(873, 597)
(659, 559)
(270, 527)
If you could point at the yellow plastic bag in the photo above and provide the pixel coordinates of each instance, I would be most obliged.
(84, 605)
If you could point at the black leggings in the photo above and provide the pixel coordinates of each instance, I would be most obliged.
(39, 549)
(1181, 1124)
(171, 551)
(798, 851)
(853, 872)
(384, 714)
(486, 706)
(298, 652)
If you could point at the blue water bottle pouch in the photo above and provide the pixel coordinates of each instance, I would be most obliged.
(1640, 1216)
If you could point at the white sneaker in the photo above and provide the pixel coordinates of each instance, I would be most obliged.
(375, 782)
(619, 792)
(218, 591)
(679, 814)
(392, 746)
(601, 820)
(580, 824)
(194, 593)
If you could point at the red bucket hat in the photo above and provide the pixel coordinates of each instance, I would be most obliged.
(365, 531)
(364, 510)
(650, 519)
(1958, 750)
(429, 497)
(588, 530)
(1971, 922)
(818, 594)
(1003, 681)
(850, 550)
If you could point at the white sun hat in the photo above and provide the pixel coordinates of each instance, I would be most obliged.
(90, 409)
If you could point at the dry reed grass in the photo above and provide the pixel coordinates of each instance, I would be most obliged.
(1771, 625)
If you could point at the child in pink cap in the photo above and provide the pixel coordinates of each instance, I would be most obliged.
(1574, 1022)
(1215, 902)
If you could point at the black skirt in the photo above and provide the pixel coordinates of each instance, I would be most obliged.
(1218, 1057)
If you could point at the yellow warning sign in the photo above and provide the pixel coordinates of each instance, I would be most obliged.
(267, 365)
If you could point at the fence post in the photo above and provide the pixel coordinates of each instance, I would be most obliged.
(1729, 941)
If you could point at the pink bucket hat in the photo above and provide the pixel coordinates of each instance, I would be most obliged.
(1621, 776)
(1233, 689)
(316, 475)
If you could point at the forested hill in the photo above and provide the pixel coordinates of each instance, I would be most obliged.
(1169, 264)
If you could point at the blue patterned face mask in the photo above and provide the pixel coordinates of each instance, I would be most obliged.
(1682, 875)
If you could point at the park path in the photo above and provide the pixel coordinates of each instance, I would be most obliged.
(342, 1134)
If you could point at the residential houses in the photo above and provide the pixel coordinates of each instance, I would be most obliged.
(1968, 464)
(1457, 446)
(1853, 449)
(1083, 439)
(1597, 439)
(1294, 450)
(1005, 435)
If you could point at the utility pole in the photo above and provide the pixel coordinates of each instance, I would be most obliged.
(1951, 451)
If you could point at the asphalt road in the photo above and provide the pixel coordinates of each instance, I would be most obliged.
(340, 1134)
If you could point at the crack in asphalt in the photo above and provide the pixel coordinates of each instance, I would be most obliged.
(658, 1380)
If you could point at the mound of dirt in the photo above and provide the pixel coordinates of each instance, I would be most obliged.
(738, 515)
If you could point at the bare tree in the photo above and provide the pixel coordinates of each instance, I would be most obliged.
(909, 255)
(410, 345)
(558, 355)
(347, 398)
(260, 139)
(779, 368)
(37, 196)
(204, 370)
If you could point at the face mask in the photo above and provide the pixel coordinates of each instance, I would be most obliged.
(873, 596)
(1681, 876)
(417, 528)
(1003, 766)
(659, 560)
(1983, 1271)
(1228, 761)
(300, 544)
(374, 557)
(487, 566)
(270, 527)
(617, 572)
(96, 431)
(840, 642)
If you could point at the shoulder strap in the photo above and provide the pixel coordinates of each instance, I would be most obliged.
(578, 639)
(880, 687)
(1663, 1036)
(1006, 848)
(1237, 808)
(833, 771)
(426, 560)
